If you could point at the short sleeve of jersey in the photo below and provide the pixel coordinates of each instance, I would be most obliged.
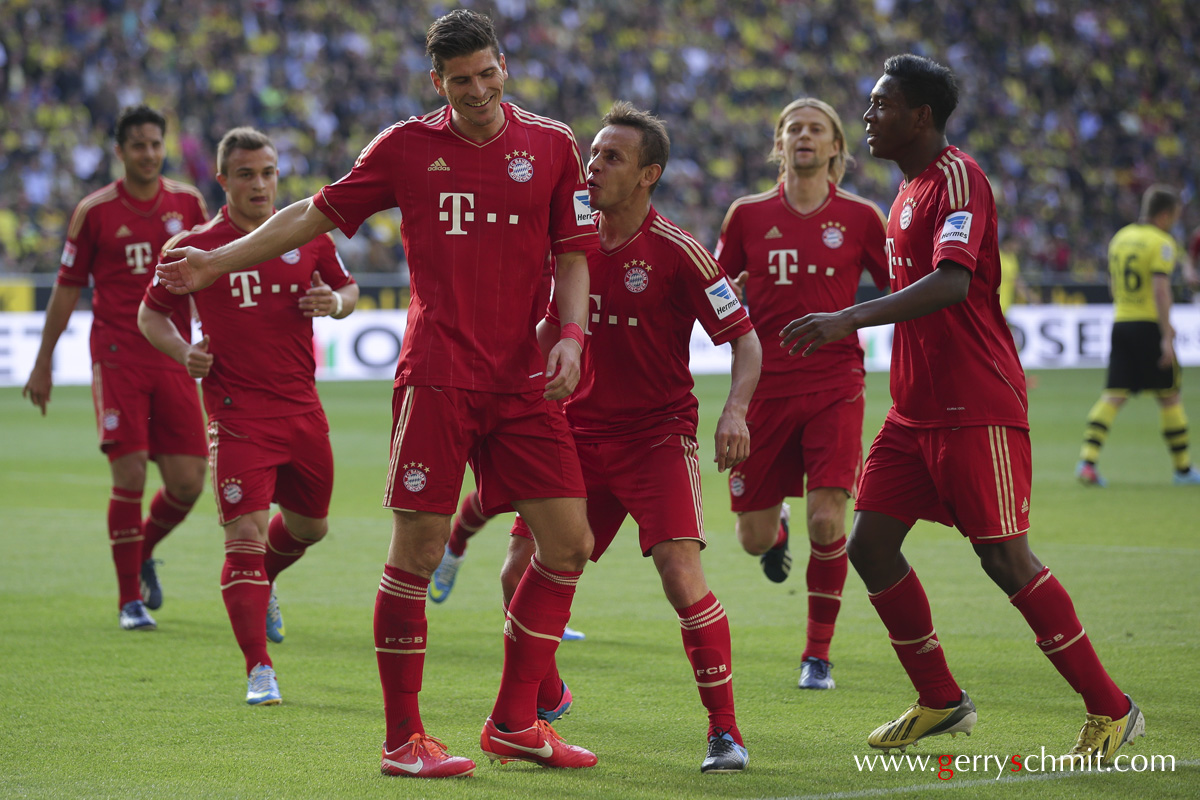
(964, 207)
(729, 253)
(1163, 261)
(329, 264)
(75, 264)
(712, 299)
(369, 186)
(571, 225)
(157, 298)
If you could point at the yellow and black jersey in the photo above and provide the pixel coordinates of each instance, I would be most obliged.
(1135, 255)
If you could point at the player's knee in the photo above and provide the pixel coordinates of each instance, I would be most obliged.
(310, 530)
(825, 525)
(188, 487)
(129, 472)
(755, 539)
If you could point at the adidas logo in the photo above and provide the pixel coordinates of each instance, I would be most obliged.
(929, 646)
(1025, 506)
(124, 231)
(439, 166)
(773, 233)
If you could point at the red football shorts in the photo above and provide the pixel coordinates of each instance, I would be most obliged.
(157, 410)
(656, 481)
(792, 436)
(287, 460)
(976, 479)
(518, 444)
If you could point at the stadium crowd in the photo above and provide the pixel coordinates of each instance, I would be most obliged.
(1071, 106)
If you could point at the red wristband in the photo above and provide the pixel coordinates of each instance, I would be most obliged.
(573, 331)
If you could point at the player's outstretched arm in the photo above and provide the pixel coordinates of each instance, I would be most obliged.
(58, 314)
(733, 435)
(945, 286)
(571, 298)
(160, 332)
(186, 269)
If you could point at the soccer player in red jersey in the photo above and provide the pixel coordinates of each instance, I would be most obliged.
(633, 414)
(482, 185)
(146, 405)
(954, 447)
(269, 439)
(802, 248)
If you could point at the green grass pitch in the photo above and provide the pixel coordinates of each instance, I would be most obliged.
(88, 710)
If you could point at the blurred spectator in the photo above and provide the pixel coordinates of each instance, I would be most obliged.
(1072, 106)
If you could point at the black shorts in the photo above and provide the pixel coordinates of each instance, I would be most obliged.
(1133, 363)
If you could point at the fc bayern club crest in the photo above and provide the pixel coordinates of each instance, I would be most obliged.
(520, 166)
(906, 214)
(112, 419)
(173, 222)
(415, 477)
(232, 492)
(291, 257)
(636, 280)
(833, 235)
(737, 486)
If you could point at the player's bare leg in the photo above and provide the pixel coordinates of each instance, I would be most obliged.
(764, 533)
(537, 614)
(289, 535)
(825, 578)
(125, 537)
(401, 628)
(705, 631)
(183, 481)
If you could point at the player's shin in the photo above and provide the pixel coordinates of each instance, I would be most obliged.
(400, 633)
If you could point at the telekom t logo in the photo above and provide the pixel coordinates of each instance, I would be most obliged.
(138, 257)
(456, 215)
(783, 264)
(245, 285)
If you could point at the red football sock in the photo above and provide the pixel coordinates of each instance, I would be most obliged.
(705, 630)
(1048, 609)
(537, 615)
(780, 535)
(467, 522)
(904, 609)
(400, 632)
(166, 511)
(827, 566)
(125, 536)
(283, 548)
(246, 592)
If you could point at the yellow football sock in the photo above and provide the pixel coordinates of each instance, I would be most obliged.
(1099, 420)
(1175, 431)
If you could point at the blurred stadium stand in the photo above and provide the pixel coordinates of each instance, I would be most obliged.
(1072, 107)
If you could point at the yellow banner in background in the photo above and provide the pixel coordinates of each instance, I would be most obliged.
(16, 295)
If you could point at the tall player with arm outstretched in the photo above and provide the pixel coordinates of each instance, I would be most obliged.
(634, 416)
(801, 248)
(482, 186)
(954, 447)
(146, 405)
(269, 439)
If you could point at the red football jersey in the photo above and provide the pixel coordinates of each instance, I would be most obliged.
(261, 342)
(645, 299)
(476, 219)
(803, 264)
(116, 239)
(957, 366)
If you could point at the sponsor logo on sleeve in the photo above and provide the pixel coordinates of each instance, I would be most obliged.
(957, 228)
(1168, 253)
(583, 209)
(68, 255)
(722, 298)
